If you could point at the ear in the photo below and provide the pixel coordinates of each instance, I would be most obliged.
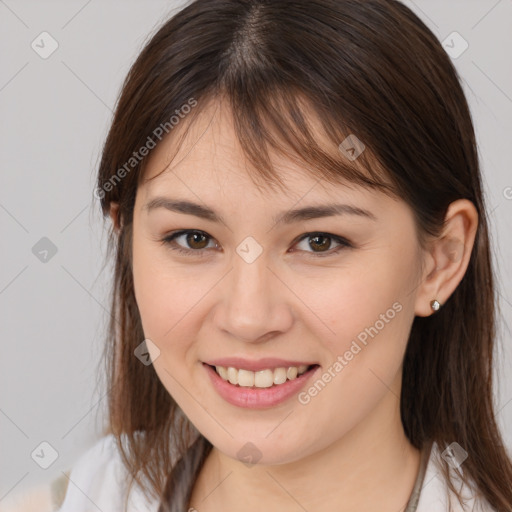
(114, 215)
(448, 256)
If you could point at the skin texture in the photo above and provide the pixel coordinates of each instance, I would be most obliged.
(345, 449)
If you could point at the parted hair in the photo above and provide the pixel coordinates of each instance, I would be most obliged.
(370, 68)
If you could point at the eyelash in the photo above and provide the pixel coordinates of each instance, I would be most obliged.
(171, 243)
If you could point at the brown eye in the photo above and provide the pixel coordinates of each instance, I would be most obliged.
(320, 244)
(196, 240)
(193, 242)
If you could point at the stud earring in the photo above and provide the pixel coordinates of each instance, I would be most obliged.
(435, 305)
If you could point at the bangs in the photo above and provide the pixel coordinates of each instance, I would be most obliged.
(289, 124)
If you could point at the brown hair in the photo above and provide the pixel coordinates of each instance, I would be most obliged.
(370, 68)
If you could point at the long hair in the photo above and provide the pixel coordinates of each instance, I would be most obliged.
(370, 69)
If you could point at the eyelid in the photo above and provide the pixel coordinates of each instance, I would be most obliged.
(169, 240)
(343, 243)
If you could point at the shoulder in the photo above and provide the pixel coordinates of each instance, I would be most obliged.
(436, 495)
(99, 480)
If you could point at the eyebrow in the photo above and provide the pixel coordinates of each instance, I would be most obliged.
(286, 217)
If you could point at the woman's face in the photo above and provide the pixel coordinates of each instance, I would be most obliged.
(334, 294)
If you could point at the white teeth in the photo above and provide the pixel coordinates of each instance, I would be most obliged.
(263, 378)
(245, 378)
(233, 375)
(223, 372)
(291, 373)
(260, 379)
(279, 376)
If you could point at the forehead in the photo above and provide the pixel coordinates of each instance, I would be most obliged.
(204, 157)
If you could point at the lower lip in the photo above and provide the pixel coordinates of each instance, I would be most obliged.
(258, 398)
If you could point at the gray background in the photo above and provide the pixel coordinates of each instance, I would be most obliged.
(54, 117)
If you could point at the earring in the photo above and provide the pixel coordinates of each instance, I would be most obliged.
(435, 305)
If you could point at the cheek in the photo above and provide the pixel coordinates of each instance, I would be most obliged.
(363, 355)
(364, 314)
(171, 301)
(165, 304)
(356, 303)
(163, 292)
(150, 292)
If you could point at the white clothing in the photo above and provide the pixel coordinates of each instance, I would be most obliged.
(98, 481)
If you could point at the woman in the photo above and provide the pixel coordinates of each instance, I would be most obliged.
(303, 301)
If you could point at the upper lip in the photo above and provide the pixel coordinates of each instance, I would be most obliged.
(256, 365)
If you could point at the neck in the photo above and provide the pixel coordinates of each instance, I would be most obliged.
(372, 467)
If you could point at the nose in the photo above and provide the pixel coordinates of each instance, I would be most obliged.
(255, 306)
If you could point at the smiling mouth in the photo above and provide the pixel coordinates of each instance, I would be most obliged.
(270, 377)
